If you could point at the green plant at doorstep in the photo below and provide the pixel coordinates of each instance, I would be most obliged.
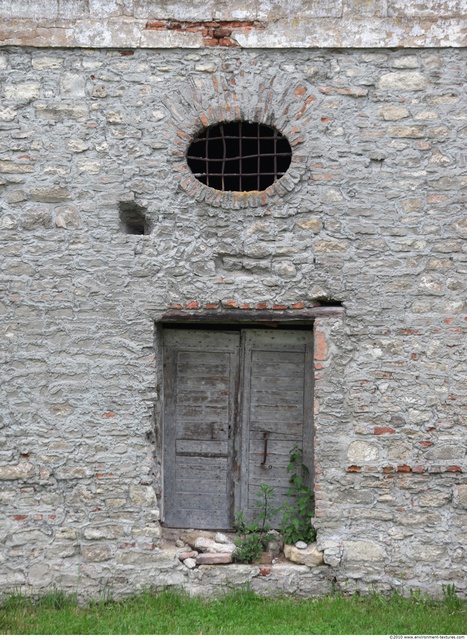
(296, 522)
(254, 536)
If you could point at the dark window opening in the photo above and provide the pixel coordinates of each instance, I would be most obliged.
(239, 156)
(133, 219)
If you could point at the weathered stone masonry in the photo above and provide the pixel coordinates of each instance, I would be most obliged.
(370, 215)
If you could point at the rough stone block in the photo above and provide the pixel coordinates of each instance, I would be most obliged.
(399, 131)
(310, 556)
(105, 532)
(96, 552)
(403, 81)
(20, 471)
(142, 495)
(7, 114)
(49, 194)
(67, 218)
(361, 451)
(22, 91)
(462, 495)
(434, 499)
(40, 575)
(363, 551)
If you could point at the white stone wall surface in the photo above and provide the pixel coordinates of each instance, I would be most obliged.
(371, 215)
(250, 24)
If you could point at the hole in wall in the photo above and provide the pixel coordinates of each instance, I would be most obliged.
(133, 220)
(328, 302)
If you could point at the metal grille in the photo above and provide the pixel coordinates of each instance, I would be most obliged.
(239, 156)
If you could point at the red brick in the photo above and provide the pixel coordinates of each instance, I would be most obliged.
(404, 468)
(109, 414)
(454, 469)
(210, 305)
(279, 307)
(321, 347)
(426, 443)
(300, 91)
(192, 305)
(418, 469)
(388, 469)
(245, 306)
(231, 304)
(354, 469)
(262, 305)
(156, 25)
(378, 431)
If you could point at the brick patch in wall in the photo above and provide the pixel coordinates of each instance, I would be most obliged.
(217, 33)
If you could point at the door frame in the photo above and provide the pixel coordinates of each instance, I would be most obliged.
(259, 319)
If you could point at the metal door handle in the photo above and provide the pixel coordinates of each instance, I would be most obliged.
(265, 451)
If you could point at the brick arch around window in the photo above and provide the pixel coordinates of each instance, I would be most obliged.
(274, 101)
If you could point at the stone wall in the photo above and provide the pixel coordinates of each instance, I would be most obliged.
(370, 216)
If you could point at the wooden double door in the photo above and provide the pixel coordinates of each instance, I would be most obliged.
(236, 401)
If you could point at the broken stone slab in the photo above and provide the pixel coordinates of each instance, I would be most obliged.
(221, 538)
(186, 555)
(190, 537)
(190, 563)
(214, 558)
(208, 545)
(310, 556)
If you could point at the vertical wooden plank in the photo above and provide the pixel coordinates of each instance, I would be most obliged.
(200, 384)
(277, 400)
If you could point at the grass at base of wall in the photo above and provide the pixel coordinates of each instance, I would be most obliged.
(237, 613)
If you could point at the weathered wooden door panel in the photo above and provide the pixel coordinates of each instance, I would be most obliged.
(276, 409)
(236, 402)
(200, 388)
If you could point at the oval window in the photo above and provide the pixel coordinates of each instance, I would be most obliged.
(239, 156)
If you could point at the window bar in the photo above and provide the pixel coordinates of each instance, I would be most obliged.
(207, 157)
(240, 152)
(224, 155)
(258, 161)
(275, 154)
